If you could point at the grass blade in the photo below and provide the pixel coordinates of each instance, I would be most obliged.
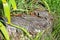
(13, 3)
(38, 35)
(6, 11)
(4, 31)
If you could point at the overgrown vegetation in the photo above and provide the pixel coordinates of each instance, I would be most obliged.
(53, 6)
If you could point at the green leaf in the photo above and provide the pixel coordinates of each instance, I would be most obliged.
(4, 31)
(6, 11)
(13, 3)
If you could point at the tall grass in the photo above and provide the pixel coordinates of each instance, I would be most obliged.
(54, 6)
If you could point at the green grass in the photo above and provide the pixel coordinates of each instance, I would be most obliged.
(52, 6)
